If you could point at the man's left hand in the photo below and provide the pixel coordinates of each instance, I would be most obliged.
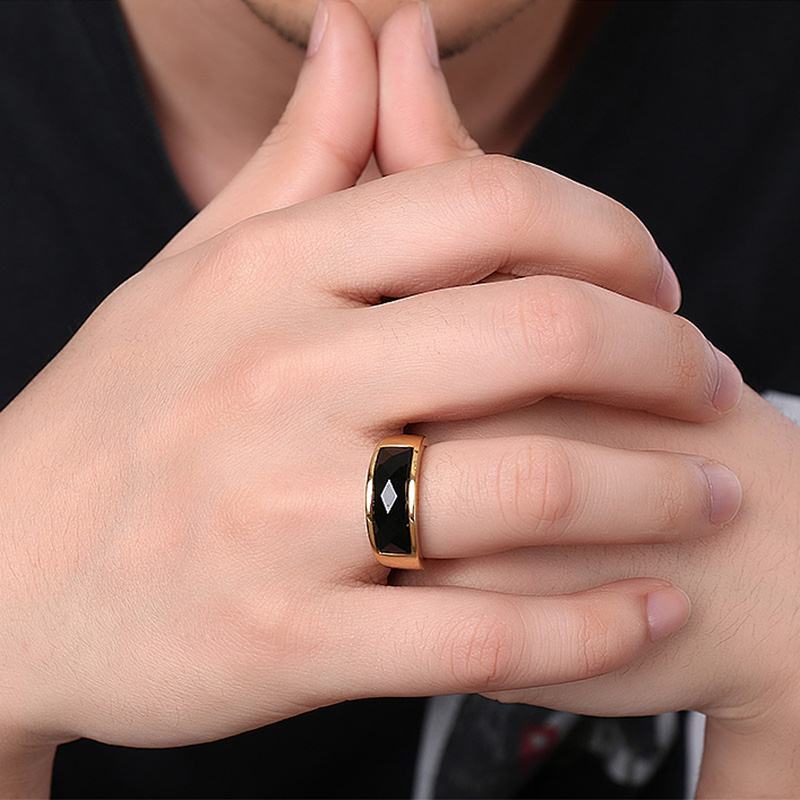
(737, 659)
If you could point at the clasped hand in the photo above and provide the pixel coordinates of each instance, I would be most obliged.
(184, 545)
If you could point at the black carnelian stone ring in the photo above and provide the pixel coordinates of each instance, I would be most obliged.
(391, 501)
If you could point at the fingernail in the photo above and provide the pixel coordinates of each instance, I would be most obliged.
(729, 386)
(725, 491)
(668, 291)
(429, 33)
(318, 28)
(667, 612)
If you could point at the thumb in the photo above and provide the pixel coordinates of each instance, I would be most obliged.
(324, 138)
(417, 123)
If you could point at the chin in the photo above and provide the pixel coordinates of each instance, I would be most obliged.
(459, 23)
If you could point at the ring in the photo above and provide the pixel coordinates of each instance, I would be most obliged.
(391, 502)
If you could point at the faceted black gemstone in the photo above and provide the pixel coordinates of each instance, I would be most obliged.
(389, 500)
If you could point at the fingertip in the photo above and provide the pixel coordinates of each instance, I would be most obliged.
(724, 490)
(404, 22)
(429, 33)
(418, 123)
(667, 611)
(407, 46)
(340, 26)
(668, 291)
(666, 607)
(730, 385)
(318, 28)
(332, 114)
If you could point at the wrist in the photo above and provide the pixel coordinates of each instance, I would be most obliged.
(754, 757)
(25, 769)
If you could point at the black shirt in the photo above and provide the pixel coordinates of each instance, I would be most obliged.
(689, 113)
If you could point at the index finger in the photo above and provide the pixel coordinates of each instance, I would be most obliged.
(458, 222)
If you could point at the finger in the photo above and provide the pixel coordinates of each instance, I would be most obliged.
(417, 121)
(419, 125)
(488, 495)
(459, 222)
(324, 139)
(424, 640)
(469, 351)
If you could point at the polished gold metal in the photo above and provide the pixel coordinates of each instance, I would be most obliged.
(396, 560)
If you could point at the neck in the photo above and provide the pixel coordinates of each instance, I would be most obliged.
(219, 79)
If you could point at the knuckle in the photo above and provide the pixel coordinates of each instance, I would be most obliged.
(672, 506)
(595, 643)
(253, 381)
(229, 255)
(506, 190)
(241, 515)
(235, 258)
(250, 381)
(482, 652)
(631, 243)
(554, 325)
(264, 375)
(270, 636)
(318, 138)
(345, 152)
(462, 139)
(535, 488)
(280, 134)
(248, 515)
(689, 365)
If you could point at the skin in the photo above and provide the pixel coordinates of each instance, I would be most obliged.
(459, 26)
(736, 659)
(213, 118)
(228, 591)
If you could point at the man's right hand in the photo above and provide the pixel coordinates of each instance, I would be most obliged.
(184, 553)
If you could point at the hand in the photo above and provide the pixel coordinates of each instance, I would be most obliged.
(737, 658)
(184, 548)
(418, 126)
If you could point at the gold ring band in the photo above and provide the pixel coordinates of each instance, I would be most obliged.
(391, 501)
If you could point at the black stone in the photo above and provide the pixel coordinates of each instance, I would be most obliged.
(392, 533)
